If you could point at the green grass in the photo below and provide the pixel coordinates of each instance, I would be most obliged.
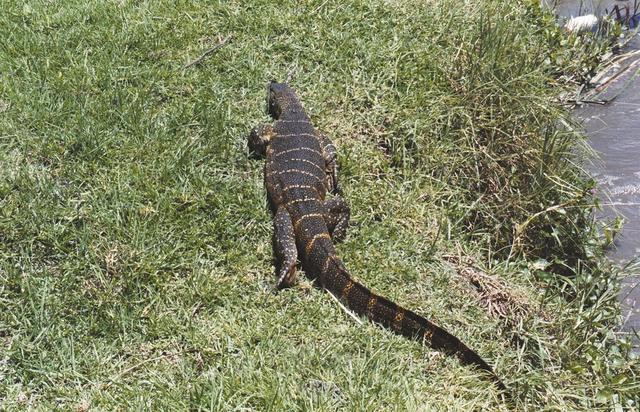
(135, 254)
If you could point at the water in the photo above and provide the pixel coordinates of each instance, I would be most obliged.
(621, 9)
(614, 131)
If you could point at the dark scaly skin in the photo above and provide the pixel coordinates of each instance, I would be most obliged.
(299, 170)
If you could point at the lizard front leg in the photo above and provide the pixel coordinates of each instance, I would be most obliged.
(259, 139)
(337, 217)
(330, 163)
(284, 243)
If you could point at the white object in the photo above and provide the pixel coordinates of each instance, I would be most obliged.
(581, 24)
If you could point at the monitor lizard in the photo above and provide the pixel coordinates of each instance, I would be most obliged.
(300, 170)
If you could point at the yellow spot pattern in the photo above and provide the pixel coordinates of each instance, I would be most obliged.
(309, 247)
(397, 321)
(347, 289)
(303, 217)
(372, 303)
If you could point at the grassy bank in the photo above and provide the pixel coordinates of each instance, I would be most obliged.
(135, 255)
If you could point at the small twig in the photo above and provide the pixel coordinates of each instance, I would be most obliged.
(620, 204)
(320, 6)
(204, 55)
(345, 309)
(131, 368)
(578, 101)
(610, 79)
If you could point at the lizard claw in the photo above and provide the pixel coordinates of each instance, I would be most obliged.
(258, 140)
(287, 277)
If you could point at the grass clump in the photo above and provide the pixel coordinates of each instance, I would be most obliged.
(135, 256)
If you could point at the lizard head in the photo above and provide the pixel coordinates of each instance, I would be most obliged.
(281, 99)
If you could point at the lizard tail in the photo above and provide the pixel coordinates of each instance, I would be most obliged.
(378, 309)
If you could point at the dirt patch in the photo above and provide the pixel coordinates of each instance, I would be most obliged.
(492, 293)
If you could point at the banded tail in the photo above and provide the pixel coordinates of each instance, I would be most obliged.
(335, 278)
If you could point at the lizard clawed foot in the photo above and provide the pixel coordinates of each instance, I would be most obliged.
(287, 277)
(259, 139)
